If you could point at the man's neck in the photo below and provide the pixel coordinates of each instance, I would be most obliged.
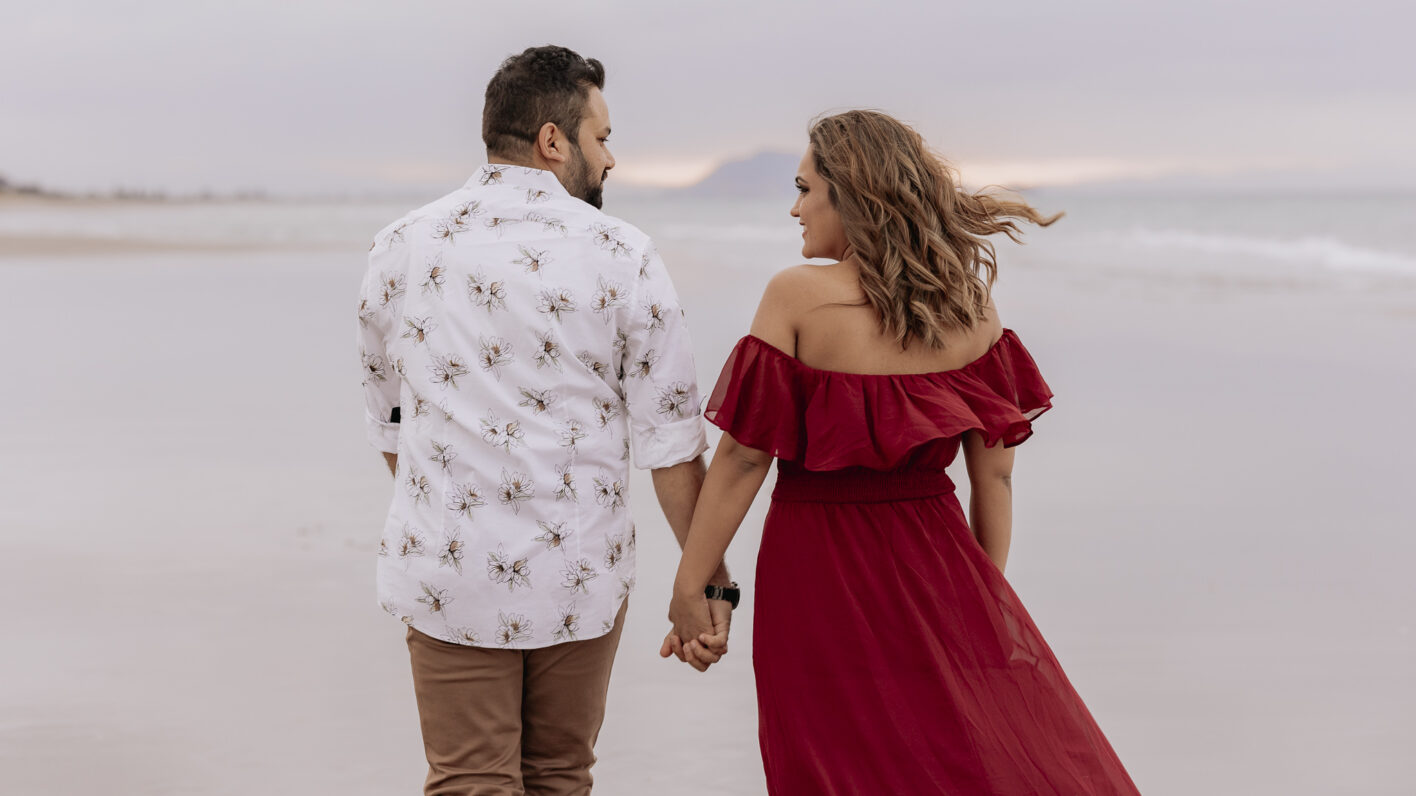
(532, 162)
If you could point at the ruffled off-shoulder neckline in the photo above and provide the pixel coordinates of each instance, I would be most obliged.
(1007, 338)
(826, 419)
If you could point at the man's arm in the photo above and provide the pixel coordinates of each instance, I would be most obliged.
(666, 425)
(734, 480)
(678, 488)
(391, 459)
(380, 305)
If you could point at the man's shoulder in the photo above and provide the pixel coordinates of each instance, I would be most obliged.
(627, 231)
(620, 240)
(396, 230)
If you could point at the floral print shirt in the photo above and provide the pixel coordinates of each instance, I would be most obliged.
(519, 349)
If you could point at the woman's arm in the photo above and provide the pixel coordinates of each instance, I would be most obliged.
(732, 483)
(733, 479)
(990, 495)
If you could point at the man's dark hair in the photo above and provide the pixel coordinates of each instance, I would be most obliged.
(542, 84)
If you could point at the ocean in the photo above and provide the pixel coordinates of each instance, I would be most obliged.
(1342, 237)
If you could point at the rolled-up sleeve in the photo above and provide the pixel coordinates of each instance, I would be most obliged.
(660, 381)
(380, 307)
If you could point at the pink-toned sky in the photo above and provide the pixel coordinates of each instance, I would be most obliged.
(357, 96)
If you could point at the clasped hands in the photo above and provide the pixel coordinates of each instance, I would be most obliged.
(700, 628)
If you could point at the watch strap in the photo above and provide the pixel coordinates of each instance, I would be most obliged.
(731, 593)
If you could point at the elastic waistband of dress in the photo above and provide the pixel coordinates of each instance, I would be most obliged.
(860, 485)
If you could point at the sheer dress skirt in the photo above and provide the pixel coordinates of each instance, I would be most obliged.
(891, 655)
(893, 658)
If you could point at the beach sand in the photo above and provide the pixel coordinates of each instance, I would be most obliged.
(1212, 531)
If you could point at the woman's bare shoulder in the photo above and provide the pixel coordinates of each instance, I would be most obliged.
(790, 294)
(961, 345)
(974, 343)
(809, 286)
(795, 277)
(991, 325)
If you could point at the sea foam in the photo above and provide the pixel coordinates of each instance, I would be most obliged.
(1323, 251)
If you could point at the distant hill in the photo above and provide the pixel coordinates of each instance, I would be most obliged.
(32, 190)
(7, 187)
(768, 175)
(765, 175)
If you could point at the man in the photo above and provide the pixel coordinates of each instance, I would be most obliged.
(519, 349)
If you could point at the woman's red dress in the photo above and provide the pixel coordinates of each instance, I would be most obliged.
(891, 655)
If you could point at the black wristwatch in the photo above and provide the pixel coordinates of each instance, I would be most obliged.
(731, 593)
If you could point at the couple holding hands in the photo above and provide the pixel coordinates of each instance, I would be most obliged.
(520, 349)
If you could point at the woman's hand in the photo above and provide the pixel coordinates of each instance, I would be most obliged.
(692, 619)
(714, 647)
(700, 633)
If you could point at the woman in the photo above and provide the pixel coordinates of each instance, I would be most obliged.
(891, 655)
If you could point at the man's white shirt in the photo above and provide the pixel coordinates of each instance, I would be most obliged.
(532, 346)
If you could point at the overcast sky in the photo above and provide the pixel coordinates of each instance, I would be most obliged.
(364, 97)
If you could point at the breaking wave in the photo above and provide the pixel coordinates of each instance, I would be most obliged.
(1325, 252)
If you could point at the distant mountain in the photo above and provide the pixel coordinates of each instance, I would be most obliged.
(32, 190)
(765, 175)
(768, 175)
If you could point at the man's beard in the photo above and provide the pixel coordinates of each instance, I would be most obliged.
(580, 181)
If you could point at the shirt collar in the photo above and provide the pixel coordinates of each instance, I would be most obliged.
(522, 177)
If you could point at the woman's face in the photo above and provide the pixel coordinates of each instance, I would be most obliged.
(822, 233)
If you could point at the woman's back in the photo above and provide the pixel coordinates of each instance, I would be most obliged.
(837, 330)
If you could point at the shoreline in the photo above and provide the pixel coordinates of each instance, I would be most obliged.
(17, 246)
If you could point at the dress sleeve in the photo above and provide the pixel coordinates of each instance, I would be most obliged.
(1014, 393)
(760, 401)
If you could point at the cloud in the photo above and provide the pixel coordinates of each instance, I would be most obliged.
(350, 96)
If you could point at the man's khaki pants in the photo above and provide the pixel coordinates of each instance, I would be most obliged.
(509, 722)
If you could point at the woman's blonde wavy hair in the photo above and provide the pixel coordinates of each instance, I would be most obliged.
(926, 264)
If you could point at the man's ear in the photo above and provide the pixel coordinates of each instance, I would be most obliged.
(551, 144)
